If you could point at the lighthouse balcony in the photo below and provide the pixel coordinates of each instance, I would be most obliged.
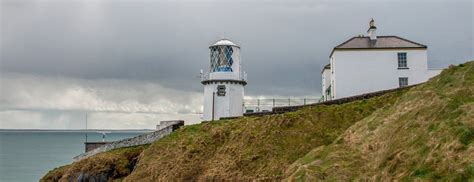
(211, 77)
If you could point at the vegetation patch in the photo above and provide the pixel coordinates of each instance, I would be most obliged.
(466, 135)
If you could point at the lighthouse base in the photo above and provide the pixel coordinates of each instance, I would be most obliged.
(222, 99)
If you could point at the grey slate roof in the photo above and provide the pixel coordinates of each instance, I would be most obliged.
(381, 42)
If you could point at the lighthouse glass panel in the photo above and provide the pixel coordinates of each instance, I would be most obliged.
(221, 58)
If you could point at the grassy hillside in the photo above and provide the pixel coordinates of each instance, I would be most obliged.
(251, 147)
(421, 132)
(427, 134)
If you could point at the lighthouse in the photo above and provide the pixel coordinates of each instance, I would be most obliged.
(224, 82)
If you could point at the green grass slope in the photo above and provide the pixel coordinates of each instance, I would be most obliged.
(250, 147)
(426, 135)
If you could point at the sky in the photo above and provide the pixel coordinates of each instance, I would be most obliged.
(129, 64)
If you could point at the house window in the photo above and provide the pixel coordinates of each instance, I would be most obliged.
(403, 81)
(402, 60)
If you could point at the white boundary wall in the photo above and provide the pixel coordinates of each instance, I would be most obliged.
(165, 128)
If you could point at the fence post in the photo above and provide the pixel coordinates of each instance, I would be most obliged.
(304, 101)
(273, 102)
(289, 102)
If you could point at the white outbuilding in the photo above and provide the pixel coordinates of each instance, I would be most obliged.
(365, 64)
(224, 82)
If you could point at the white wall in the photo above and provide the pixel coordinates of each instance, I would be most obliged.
(224, 106)
(357, 72)
(326, 82)
(224, 76)
(333, 80)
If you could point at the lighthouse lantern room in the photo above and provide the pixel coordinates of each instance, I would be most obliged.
(224, 83)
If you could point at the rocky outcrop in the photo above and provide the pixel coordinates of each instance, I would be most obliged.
(111, 173)
(106, 166)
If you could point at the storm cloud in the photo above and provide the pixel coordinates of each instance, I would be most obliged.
(70, 56)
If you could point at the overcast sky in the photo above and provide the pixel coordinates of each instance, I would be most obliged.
(63, 58)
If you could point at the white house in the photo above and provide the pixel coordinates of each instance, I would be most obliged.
(224, 83)
(365, 64)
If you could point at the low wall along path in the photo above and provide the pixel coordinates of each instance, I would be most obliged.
(165, 128)
(284, 109)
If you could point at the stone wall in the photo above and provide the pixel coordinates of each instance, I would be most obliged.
(165, 128)
(93, 145)
(164, 124)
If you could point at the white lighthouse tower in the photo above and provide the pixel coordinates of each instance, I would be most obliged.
(224, 83)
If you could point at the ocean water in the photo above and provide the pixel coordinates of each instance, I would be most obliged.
(28, 155)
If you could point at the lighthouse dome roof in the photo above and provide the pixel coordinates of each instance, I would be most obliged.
(224, 42)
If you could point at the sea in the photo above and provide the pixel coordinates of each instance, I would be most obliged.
(28, 155)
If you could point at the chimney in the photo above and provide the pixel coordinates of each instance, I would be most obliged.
(372, 30)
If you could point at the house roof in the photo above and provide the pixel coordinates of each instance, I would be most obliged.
(382, 42)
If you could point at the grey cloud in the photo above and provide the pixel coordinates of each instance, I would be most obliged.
(284, 44)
